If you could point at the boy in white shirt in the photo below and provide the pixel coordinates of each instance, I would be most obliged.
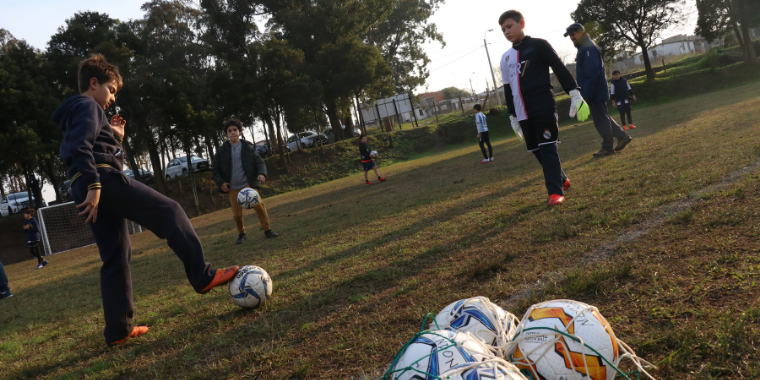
(483, 139)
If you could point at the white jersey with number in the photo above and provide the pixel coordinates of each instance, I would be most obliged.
(510, 76)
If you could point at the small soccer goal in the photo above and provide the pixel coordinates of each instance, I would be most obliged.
(63, 230)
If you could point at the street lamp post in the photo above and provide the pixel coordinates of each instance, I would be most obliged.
(472, 88)
(490, 68)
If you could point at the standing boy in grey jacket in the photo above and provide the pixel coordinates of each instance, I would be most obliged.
(237, 166)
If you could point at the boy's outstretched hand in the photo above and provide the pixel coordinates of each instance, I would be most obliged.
(90, 205)
(117, 124)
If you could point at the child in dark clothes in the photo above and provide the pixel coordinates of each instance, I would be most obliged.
(33, 237)
(621, 93)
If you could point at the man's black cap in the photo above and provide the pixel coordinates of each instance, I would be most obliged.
(573, 28)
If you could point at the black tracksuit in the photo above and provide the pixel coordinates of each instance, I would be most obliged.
(95, 157)
(33, 239)
(530, 97)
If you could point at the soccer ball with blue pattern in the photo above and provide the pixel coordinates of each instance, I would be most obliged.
(251, 287)
(480, 317)
(489, 369)
(432, 353)
(248, 198)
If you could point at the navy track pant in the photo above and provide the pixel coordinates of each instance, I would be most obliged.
(122, 199)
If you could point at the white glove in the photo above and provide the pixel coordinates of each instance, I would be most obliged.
(516, 127)
(578, 106)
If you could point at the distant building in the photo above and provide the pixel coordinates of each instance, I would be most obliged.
(673, 46)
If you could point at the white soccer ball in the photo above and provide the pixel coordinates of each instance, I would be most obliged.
(435, 352)
(541, 348)
(251, 287)
(373, 154)
(480, 317)
(248, 198)
(489, 369)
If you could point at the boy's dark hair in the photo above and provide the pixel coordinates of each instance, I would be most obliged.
(615, 72)
(476, 107)
(233, 121)
(362, 136)
(97, 67)
(29, 211)
(516, 16)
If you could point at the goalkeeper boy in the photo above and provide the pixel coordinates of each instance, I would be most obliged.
(92, 151)
(530, 98)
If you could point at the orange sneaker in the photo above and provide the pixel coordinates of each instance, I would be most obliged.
(221, 277)
(631, 126)
(136, 331)
(555, 199)
(566, 185)
(625, 127)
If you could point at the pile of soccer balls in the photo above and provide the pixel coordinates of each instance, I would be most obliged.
(476, 339)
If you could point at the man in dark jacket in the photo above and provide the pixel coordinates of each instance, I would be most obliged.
(237, 166)
(593, 82)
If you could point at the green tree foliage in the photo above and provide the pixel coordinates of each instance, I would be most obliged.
(631, 22)
(454, 93)
(716, 18)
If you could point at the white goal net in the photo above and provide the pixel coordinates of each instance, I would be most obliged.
(63, 230)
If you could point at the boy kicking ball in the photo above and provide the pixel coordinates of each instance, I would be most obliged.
(532, 109)
(92, 151)
(368, 160)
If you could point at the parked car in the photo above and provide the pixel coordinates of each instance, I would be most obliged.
(146, 176)
(178, 166)
(262, 148)
(308, 139)
(329, 132)
(16, 202)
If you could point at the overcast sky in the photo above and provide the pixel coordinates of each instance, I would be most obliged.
(463, 24)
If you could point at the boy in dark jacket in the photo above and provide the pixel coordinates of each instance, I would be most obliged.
(622, 93)
(92, 151)
(5, 291)
(530, 98)
(33, 237)
(589, 70)
(237, 166)
(368, 162)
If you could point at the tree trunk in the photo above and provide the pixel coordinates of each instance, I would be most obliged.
(2, 186)
(191, 173)
(276, 148)
(647, 64)
(332, 114)
(738, 34)
(155, 160)
(283, 160)
(131, 159)
(47, 168)
(749, 50)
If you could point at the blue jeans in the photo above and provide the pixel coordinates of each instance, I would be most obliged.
(3, 280)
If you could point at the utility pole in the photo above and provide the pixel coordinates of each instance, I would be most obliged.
(490, 68)
(411, 104)
(461, 106)
(398, 117)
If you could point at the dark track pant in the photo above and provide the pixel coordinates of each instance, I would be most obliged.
(34, 249)
(552, 168)
(485, 140)
(622, 117)
(122, 199)
(605, 125)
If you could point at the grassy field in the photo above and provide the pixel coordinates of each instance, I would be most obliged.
(663, 238)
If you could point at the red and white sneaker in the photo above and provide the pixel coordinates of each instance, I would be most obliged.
(631, 126)
(485, 160)
(625, 127)
(555, 199)
(566, 185)
(368, 183)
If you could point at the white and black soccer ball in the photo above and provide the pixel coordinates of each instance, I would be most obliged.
(251, 287)
(373, 154)
(480, 317)
(248, 198)
(489, 369)
(544, 346)
(434, 352)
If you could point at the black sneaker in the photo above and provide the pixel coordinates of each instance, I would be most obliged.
(241, 238)
(5, 295)
(622, 143)
(270, 234)
(604, 153)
